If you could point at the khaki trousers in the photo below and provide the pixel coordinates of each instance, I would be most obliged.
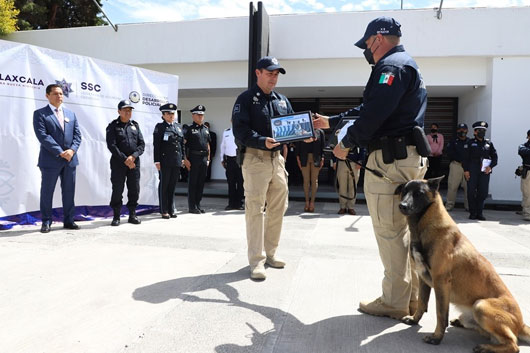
(347, 184)
(310, 175)
(525, 189)
(400, 281)
(265, 184)
(454, 181)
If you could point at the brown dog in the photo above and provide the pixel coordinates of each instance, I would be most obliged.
(448, 262)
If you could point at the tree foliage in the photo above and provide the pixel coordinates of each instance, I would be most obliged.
(8, 17)
(47, 14)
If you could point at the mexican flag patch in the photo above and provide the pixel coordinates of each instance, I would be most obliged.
(386, 78)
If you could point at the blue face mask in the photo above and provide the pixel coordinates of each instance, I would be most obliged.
(368, 55)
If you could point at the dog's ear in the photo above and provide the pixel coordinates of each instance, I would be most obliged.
(434, 183)
(399, 189)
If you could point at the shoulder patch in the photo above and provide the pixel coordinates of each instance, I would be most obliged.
(237, 108)
(386, 78)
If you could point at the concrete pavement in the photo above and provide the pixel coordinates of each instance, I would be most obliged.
(182, 285)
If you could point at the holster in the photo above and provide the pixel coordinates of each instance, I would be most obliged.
(387, 148)
(240, 155)
(420, 141)
(525, 172)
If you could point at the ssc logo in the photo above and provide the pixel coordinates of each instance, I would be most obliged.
(134, 97)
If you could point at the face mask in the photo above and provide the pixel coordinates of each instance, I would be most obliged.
(368, 55)
(461, 133)
(481, 133)
(434, 131)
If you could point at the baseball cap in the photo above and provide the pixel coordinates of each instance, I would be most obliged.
(125, 104)
(269, 63)
(383, 25)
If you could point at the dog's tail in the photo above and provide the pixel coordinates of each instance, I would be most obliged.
(524, 335)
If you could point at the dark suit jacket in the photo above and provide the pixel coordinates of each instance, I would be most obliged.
(53, 140)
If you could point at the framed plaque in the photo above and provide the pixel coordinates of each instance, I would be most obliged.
(292, 127)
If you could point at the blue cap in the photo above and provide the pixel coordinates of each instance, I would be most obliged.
(168, 107)
(387, 26)
(200, 109)
(125, 104)
(269, 63)
(461, 126)
(480, 125)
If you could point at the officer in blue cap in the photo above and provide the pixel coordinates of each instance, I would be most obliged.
(168, 154)
(456, 151)
(126, 143)
(524, 152)
(390, 125)
(480, 159)
(197, 140)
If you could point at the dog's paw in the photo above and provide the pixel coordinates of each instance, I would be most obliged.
(431, 339)
(482, 348)
(409, 320)
(456, 323)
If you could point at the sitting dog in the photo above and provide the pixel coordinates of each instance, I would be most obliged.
(447, 261)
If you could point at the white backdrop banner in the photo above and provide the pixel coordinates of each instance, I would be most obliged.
(92, 89)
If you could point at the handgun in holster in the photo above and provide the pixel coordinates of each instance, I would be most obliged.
(240, 154)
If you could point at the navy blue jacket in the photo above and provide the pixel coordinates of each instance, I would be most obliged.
(477, 151)
(252, 113)
(524, 152)
(393, 100)
(456, 149)
(168, 144)
(124, 140)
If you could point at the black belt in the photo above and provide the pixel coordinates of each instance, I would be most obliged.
(199, 153)
(376, 144)
(230, 157)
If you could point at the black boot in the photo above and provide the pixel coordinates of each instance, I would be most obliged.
(116, 218)
(132, 217)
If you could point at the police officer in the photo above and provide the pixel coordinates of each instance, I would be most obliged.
(390, 121)
(126, 143)
(524, 152)
(197, 140)
(213, 150)
(234, 176)
(264, 175)
(480, 159)
(168, 143)
(456, 151)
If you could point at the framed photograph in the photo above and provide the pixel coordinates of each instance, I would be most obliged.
(292, 127)
(340, 131)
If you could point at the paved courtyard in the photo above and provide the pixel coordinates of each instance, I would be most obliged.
(182, 285)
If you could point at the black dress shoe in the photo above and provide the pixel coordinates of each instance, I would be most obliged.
(71, 226)
(115, 222)
(201, 210)
(472, 216)
(45, 228)
(134, 220)
(165, 216)
(173, 215)
(194, 211)
(242, 208)
(229, 208)
(481, 217)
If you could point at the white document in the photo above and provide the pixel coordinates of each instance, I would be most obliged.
(344, 130)
(485, 163)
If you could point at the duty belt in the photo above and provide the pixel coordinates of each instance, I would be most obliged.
(262, 153)
(199, 153)
(375, 144)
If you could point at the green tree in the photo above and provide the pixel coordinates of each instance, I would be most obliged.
(8, 17)
(47, 14)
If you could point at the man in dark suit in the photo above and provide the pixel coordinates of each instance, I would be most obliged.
(58, 132)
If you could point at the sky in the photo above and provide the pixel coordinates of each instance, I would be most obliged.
(137, 11)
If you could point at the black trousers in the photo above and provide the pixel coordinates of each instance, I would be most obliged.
(119, 175)
(477, 191)
(234, 177)
(168, 176)
(435, 166)
(196, 179)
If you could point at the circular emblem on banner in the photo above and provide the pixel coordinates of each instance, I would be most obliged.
(278, 122)
(134, 97)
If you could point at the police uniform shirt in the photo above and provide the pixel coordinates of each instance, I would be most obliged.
(168, 143)
(125, 139)
(228, 144)
(456, 149)
(524, 152)
(392, 100)
(197, 137)
(477, 151)
(251, 116)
